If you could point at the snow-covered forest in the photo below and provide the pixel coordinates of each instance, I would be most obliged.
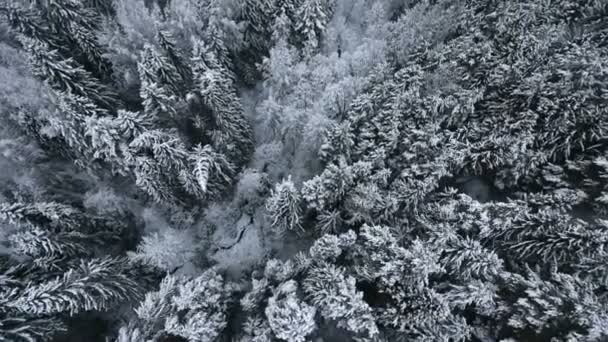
(303, 170)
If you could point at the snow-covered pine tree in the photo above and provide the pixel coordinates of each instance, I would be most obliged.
(284, 207)
(51, 274)
(67, 76)
(159, 156)
(159, 81)
(212, 170)
(337, 298)
(283, 27)
(104, 7)
(156, 68)
(257, 15)
(177, 58)
(559, 307)
(28, 23)
(72, 125)
(194, 309)
(216, 41)
(290, 318)
(168, 250)
(54, 231)
(311, 20)
(229, 130)
(76, 24)
(36, 299)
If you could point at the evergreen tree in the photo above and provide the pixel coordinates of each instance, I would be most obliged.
(67, 76)
(167, 251)
(26, 22)
(289, 318)
(77, 23)
(156, 68)
(175, 56)
(31, 307)
(312, 18)
(104, 7)
(257, 15)
(283, 207)
(560, 307)
(337, 298)
(212, 170)
(230, 133)
(194, 309)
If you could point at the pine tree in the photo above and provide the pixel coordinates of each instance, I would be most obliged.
(212, 170)
(67, 76)
(71, 119)
(329, 247)
(283, 207)
(27, 22)
(154, 152)
(150, 179)
(29, 330)
(331, 191)
(283, 25)
(158, 69)
(230, 132)
(216, 42)
(559, 307)
(167, 250)
(194, 309)
(96, 284)
(257, 329)
(77, 23)
(312, 17)
(337, 298)
(290, 318)
(67, 27)
(104, 7)
(178, 60)
(257, 15)
(55, 232)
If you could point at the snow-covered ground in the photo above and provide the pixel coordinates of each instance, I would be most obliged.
(239, 249)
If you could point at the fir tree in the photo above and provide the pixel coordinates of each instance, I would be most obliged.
(97, 284)
(212, 170)
(104, 7)
(289, 318)
(77, 23)
(337, 298)
(176, 57)
(194, 309)
(312, 17)
(257, 15)
(283, 207)
(230, 132)
(67, 76)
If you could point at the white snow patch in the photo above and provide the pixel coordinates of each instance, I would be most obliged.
(243, 255)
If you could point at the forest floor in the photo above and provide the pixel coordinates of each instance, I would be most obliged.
(238, 249)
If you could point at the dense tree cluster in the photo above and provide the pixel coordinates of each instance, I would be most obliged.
(303, 170)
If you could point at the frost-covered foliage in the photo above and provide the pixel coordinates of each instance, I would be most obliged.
(194, 309)
(167, 250)
(289, 318)
(38, 295)
(303, 170)
(140, 140)
(283, 207)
